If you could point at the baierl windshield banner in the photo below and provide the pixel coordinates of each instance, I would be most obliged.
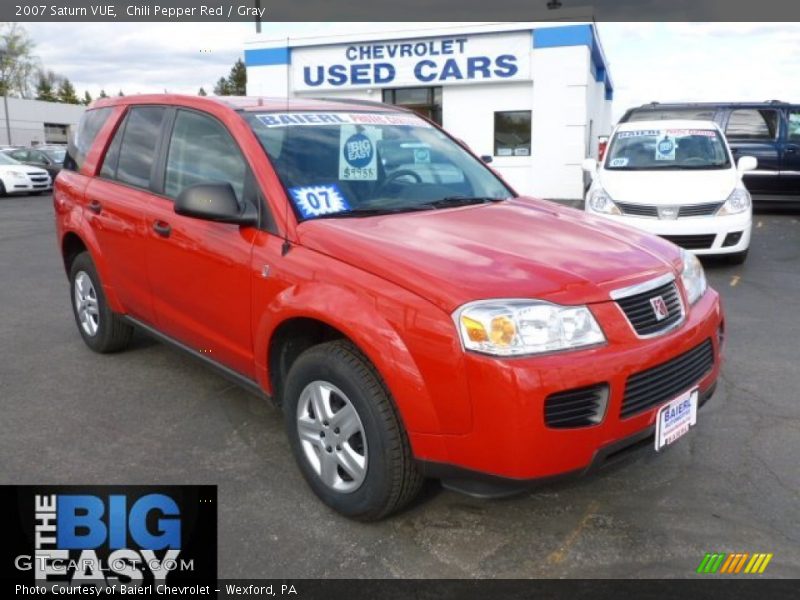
(413, 62)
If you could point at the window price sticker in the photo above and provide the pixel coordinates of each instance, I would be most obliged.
(358, 159)
(317, 200)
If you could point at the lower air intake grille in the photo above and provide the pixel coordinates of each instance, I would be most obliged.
(581, 407)
(692, 242)
(664, 382)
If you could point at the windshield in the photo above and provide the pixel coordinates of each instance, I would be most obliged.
(5, 159)
(356, 164)
(55, 154)
(659, 149)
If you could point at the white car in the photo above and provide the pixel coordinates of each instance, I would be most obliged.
(16, 178)
(676, 179)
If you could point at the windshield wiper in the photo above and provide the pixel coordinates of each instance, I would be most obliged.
(371, 212)
(451, 201)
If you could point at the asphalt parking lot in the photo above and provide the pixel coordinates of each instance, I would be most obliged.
(153, 415)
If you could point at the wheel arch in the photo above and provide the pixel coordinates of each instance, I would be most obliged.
(71, 245)
(304, 319)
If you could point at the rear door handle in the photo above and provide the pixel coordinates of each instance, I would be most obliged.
(95, 207)
(790, 150)
(161, 228)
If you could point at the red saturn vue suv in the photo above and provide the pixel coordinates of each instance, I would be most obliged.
(412, 315)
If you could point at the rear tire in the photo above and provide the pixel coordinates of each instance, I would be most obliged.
(103, 330)
(738, 258)
(365, 471)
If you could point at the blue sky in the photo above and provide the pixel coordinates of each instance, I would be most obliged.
(648, 61)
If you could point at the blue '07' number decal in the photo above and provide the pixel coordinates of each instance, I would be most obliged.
(317, 200)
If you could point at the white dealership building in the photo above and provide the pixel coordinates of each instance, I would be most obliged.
(533, 96)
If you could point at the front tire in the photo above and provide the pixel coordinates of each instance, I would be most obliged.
(101, 329)
(346, 435)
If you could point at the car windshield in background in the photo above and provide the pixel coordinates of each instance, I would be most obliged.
(5, 159)
(659, 149)
(56, 155)
(359, 164)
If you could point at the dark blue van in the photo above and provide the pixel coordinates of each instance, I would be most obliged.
(770, 131)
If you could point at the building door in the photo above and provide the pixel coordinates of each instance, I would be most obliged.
(425, 101)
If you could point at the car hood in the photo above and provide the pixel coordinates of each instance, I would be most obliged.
(669, 187)
(518, 248)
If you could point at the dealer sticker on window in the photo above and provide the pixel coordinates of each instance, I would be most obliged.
(665, 148)
(358, 159)
(317, 200)
(675, 418)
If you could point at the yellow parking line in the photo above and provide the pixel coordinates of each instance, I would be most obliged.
(559, 555)
(734, 280)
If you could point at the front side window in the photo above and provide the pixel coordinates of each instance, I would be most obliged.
(21, 155)
(661, 149)
(752, 124)
(202, 151)
(512, 133)
(137, 151)
(356, 164)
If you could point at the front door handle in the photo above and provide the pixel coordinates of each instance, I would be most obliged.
(95, 207)
(161, 228)
(790, 150)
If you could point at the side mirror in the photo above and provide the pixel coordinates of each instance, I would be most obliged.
(214, 202)
(747, 163)
(589, 165)
(486, 158)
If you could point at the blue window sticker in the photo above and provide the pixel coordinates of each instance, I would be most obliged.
(619, 162)
(422, 156)
(358, 160)
(317, 200)
(665, 148)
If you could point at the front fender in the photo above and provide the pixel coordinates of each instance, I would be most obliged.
(363, 319)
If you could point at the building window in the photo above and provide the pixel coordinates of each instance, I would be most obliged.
(55, 133)
(512, 133)
(426, 101)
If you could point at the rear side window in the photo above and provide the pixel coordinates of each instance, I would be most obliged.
(138, 148)
(752, 124)
(692, 114)
(794, 125)
(202, 151)
(81, 142)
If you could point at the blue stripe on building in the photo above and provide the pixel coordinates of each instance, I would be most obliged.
(267, 56)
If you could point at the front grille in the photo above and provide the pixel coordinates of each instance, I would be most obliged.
(692, 242)
(699, 210)
(638, 210)
(38, 178)
(664, 382)
(580, 407)
(642, 314)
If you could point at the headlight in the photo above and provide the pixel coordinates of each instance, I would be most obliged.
(693, 277)
(17, 174)
(516, 327)
(738, 202)
(600, 202)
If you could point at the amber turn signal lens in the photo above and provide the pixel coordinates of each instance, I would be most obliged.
(474, 329)
(503, 331)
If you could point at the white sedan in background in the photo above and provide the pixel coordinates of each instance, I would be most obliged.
(676, 179)
(16, 178)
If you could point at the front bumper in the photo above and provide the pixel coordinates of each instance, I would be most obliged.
(28, 185)
(716, 227)
(510, 438)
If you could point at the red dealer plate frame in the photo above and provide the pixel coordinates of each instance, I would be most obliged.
(675, 418)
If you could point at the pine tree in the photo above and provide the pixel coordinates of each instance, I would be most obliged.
(87, 98)
(103, 94)
(221, 88)
(120, 93)
(201, 92)
(237, 80)
(66, 92)
(45, 84)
